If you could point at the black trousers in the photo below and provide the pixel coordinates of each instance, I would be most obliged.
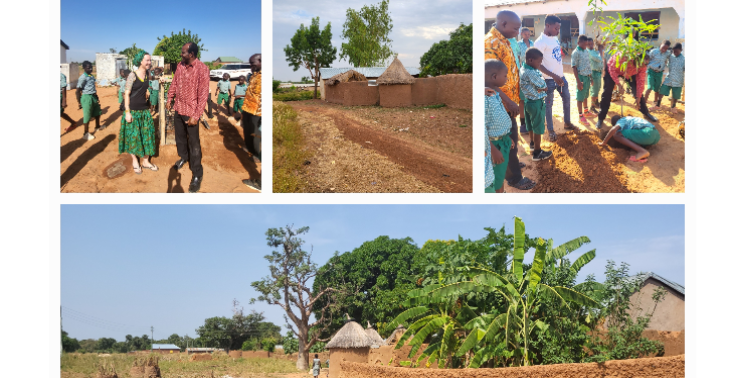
(608, 85)
(187, 139)
(514, 173)
(250, 124)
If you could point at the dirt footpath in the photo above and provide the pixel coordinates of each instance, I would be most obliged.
(86, 166)
(377, 150)
(580, 165)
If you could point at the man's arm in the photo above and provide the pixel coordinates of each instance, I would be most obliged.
(612, 70)
(171, 91)
(63, 97)
(202, 96)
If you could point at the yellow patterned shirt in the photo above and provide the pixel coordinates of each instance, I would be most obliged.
(496, 46)
(252, 101)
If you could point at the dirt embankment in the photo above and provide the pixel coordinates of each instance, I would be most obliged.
(96, 166)
(371, 149)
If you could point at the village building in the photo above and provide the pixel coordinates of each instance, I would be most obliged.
(369, 73)
(71, 70)
(165, 348)
(577, 16)
(351, 343)
(64, 48)
(669, 313)
(200, 350)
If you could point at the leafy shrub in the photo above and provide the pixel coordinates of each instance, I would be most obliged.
(295, 96)
(276, 84)
(250, 344)
(291, 344)
(268, 344)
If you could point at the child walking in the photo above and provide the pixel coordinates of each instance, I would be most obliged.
(223, 92)
(238, 94)
(596, 73)
(635, 133)
(581, 63)
(316, 365)
(658, 58)
(498, 124)
(64, 85)
(88, 100)
(534, 88)
(155, 90)
(675, 78)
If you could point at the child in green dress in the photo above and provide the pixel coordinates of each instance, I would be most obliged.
(238, 94)
(121, 81)
(155, 89)
(223, 92)
(88, 99)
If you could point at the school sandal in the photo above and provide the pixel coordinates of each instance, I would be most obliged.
(151, 167)
(583, 121)
(635, 160)
(524, 184)
(137, 170)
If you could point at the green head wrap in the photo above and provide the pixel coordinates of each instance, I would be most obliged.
(138, 58)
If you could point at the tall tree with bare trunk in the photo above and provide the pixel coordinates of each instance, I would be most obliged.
(287, 286)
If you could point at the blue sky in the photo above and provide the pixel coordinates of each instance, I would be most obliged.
(225, 27)
(416, 26)
(125, 268)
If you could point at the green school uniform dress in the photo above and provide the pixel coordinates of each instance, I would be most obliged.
(498, 125)
(64, 84)
(596, 68)
(89, 99)
(224, 86)
(137, 137)
(530, 81)
(655, 67)
(154, 91)
(582, 61)
(122, 82)
(675, 78)
(240, 90)
(638, 130)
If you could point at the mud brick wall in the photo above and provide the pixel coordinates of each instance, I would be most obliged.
(335, 94)
(395, 96)
(389, 356)
(660, 367)
(358, 93)
(339, 356)
(673, 341)
(455, 90)
(425, 91)
(324, 356)
(255, 354)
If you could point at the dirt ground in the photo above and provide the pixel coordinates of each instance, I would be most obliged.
(87, 165)
(580, 165)
(376, 150)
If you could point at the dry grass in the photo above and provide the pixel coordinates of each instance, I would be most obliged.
(75, 365)
(289, 155)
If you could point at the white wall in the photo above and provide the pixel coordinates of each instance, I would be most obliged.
(106, 66)
(71, 70)
(581, 10)
(63, 54)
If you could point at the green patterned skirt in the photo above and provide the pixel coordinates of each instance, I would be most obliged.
(138, 137)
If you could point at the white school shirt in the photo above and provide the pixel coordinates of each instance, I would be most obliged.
(552, 59)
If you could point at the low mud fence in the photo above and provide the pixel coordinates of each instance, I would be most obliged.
(673, 341)
(453, 90)
(658, 367)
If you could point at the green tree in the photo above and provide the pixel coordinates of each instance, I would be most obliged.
(311, 48)
(105, 344)
(175, 339)
(130, 53)
(290, 343)
(113, 50)
(378, 273)
(170, 47)
(69, 344)
(450, 57)
(366, 34)
(287, 286)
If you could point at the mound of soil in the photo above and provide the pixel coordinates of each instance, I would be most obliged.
(136, 372)
(579, 165)
(201, 357)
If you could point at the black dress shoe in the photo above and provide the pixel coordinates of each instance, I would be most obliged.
(179, 164)
(650, 117)
(599, 124)
(195, 184)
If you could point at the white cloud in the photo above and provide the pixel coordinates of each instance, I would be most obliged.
(431, 33)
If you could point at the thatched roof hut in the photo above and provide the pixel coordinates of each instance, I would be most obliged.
(373, 334)
(395, 74)
(351, 335)
(396, 335)
(346, 77)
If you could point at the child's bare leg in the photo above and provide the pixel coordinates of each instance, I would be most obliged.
(68, 118)
(96, 123)
(538, 140)
(659, 100)
(641, 153)
(580, 107)
(532, 137)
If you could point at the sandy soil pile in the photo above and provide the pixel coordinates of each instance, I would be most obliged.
(375, 150)
(664, 171)
(96, 166)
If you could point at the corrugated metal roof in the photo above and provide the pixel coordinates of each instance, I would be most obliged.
(230, 59)
(645, 276)
(499, 3)
(327, 73)
(164, 346)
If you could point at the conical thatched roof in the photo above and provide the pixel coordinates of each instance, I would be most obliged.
(396, 335)
(345, 77)
(395, 74)
(351, 335)
(376, 339)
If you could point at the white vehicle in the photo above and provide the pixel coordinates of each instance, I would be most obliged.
(234, 70)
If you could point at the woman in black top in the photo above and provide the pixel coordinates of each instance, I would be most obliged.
(137, 134)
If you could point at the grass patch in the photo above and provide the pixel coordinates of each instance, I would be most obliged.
(289, 155)
(435, 106)
(76, 365)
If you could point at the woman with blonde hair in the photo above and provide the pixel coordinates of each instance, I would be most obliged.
(137, 134)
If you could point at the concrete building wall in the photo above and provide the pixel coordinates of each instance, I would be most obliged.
(352, 355)
(166, 351)
(669, 314)
(395, 96)
(106, 65)
(658, 367)
(582, 11)
(63, 54)
(71, 70)
(358, 93)
(157, 61)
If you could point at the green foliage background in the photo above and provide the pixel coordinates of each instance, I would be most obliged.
(453, 56)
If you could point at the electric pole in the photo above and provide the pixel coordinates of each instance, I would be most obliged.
(152, 330)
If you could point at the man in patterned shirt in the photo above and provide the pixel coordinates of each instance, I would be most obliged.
(534, 87)
(498, 125)
(497, 46)
(675, 78)
(190, 89)
(581, 63)
(252, 110)
(658, 58)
